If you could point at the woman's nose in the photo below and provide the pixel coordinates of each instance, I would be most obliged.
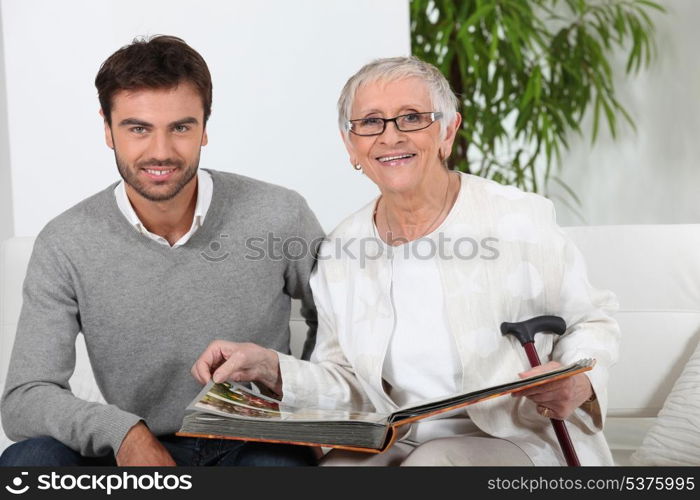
(392, 134)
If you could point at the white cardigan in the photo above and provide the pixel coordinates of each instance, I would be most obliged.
(537, 271)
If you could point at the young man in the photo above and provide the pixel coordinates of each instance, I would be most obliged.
(151, 270)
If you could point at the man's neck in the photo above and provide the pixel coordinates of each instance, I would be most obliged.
(169, 219)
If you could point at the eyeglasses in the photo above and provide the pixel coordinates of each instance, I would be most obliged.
(404, 123)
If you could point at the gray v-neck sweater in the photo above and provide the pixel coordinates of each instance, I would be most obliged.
(147, 311)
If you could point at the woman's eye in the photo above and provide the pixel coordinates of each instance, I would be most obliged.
(412, 118)
(370, 122)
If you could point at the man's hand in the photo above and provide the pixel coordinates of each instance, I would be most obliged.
(560, 398)
(141, 448)
(223, 360)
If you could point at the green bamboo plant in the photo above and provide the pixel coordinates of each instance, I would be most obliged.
(526, 72)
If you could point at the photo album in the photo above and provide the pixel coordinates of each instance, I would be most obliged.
(232, 411)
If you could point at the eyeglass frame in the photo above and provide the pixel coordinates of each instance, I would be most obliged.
(434, 116)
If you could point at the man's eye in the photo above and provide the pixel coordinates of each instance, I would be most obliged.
(181, 128)
(138, 130)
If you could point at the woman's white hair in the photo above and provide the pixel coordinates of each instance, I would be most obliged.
(397, 68)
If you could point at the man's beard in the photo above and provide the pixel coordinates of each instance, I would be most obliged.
(130, 175)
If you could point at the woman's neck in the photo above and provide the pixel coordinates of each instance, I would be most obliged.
(403, 217)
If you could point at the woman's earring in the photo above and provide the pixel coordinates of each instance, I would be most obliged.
(357, 167)
(443, 158)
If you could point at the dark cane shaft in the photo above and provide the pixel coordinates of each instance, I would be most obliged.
(567, 447)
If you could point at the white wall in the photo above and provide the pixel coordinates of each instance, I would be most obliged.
(277, 67)
(6, 216)
(275, 60)
(653, 175)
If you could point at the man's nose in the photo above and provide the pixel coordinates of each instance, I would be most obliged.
(161, 146)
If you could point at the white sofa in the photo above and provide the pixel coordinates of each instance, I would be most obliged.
(653, 269)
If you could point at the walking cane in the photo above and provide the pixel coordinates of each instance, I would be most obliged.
(525, 332)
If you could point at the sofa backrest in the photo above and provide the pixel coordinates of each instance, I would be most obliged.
(655, 272)
(14, 257)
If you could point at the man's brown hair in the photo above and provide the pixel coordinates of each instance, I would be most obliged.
(155, 63)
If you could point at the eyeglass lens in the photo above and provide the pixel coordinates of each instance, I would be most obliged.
(405, 123)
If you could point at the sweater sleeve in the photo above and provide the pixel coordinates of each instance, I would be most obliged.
(308, 235)
(37, 400)
(328, 379)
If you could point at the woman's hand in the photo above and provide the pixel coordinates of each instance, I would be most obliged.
(560, 398)
(223, 360)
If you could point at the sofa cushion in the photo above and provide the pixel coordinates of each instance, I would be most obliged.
(675, 437)
(625, 435)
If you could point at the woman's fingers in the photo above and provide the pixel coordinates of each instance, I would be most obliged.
(547, 367)
(223, 360)
(549, 412)
(557, 385)
(200, 372)
(216, 353)
(244, 363)
(560, 398)
(232, 366)
(563, 401)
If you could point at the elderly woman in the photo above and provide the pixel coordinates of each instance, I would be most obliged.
(410, 307)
